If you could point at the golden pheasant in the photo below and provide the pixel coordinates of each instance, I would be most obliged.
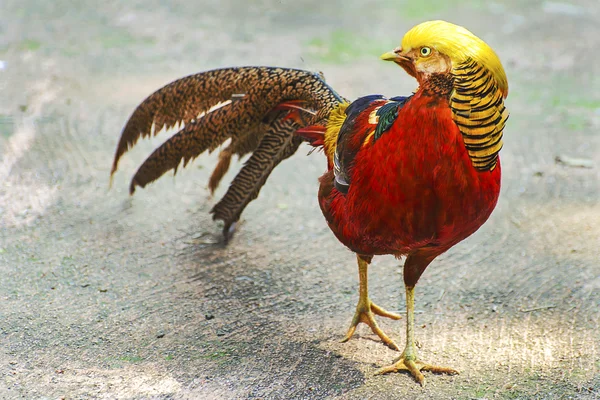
(407, 176)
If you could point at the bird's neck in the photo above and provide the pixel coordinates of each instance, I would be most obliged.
(439, 84)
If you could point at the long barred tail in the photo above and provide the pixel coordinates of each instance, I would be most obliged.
(258, 108)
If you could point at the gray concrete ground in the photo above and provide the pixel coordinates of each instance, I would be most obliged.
(103, 296)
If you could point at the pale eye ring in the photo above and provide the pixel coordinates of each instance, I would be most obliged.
(425, 51)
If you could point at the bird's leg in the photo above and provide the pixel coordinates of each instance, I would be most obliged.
(366, 309)
(409, 360)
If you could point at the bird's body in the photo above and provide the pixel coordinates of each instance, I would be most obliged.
(407, 176)
(423, 191)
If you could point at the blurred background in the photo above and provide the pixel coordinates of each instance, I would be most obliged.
(103, 296)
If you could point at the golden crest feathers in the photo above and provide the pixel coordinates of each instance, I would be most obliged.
(457, 43)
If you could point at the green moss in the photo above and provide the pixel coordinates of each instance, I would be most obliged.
(565, 101)
(481, 392)
(217, 355)
(575, 123)
(131, 359)
(29, 45)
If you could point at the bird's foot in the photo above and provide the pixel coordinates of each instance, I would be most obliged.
(365, 313)
(415, 367)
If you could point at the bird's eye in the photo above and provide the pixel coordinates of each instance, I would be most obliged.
(425, 51)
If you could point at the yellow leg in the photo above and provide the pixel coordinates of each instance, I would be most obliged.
(366, 309)
(409, 360)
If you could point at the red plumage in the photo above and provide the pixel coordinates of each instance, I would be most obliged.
(413, 189)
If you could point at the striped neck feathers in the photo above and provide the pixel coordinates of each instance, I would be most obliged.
(478, 110)
(477, 105)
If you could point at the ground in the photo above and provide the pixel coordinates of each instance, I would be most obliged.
(107, 296)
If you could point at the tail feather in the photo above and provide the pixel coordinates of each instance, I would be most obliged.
(191, 141)
(278, 144)
(256, 90)
(257, 108)
(313, 134)
(221, 169)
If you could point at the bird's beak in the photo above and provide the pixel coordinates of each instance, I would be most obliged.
(400, 58)
(395, 56)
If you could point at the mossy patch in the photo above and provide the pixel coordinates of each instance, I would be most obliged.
(29, 45)
(217, 355)
(131, 359)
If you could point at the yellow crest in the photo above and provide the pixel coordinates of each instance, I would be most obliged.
(457, 43)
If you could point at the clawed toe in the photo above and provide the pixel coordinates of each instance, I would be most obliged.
(365, 313)
(415, 367)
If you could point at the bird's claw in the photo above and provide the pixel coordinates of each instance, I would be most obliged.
(365, 313)
(415, 367)
(228, 232)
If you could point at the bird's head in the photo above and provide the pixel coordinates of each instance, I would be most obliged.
(436, 47)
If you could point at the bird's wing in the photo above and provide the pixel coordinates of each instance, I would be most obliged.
(367, 118)
(240, 104)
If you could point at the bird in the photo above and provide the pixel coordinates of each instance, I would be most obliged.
(407, 176)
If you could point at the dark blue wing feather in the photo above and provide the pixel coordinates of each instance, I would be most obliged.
(359, 105)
